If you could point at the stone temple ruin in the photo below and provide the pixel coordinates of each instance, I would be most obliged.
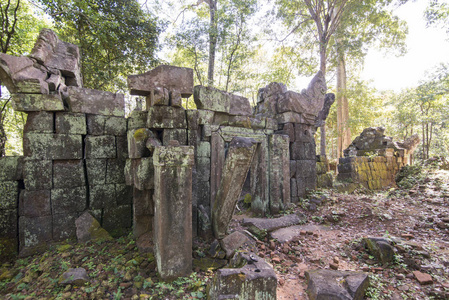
(164, 172)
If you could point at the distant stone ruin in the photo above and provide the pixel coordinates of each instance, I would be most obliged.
(164, 172)
(373, 159)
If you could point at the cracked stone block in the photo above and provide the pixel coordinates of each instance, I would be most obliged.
(34, 203)
(68, 173)
(38, 174)
(68, 200)
(52, 146)
(101, 146)
(37, 102)
(40, 122)
(115, 171)
(102, 196)
(96, 171)
(82, 100)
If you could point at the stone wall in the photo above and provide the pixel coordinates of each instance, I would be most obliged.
(81, 153)
(374, 159)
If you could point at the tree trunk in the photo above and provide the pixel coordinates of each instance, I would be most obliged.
(323, 140)
(3, 137)
(343, 130)
(212, 41)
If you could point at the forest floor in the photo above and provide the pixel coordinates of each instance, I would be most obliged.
(415, 217)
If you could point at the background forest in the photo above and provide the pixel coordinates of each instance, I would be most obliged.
(240, 46)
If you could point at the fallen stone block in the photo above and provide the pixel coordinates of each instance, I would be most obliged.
(256, 279)
(338, 285)
(238, 161)
(77, 276)
(423, 278)
(207, 263)
(88, 229)
(261, 226)
(209, 98)
(82, 100)
(380, 248)
(37, 102)
(235, 241)
(170, 77)
(286, 234)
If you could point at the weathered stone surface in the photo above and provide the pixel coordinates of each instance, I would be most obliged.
(117, 220)
(102, 146)
(82, 100)
(380, 248)
(240, 106)
(205, 116)
(305, 168)
(238, 160)
(34, 232)
(55, 54)
(210, 98)
(8, 224)
(115, 126)
(52, 146)
(256, 279)
(122, 147)
(173, 210)
(423, 278)
(77, 277)
(329, 99)
(259, 180)
(38, 174)
(68, 173)
(34, 203)
(166, 117)
(115, 171)
(143, 211)
(217, 161)
(203, 169)
(11, 168)
(37, 102)
(144, 173)
(207, 263)
(288, 233)
(9, 192)
(203, 149)
(68, 200)
(170, 77)
(235, 241)
(137, 119)
(260, 225)
(64, 226)
(40, 122)
(137, 142)
(70, 123)
(88, 229)
(96, 171)
(279, 169)
(19, 75)
(179, 135)
(102, 196)
(123, 194)
(338, 285)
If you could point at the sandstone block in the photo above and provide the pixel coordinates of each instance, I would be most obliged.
(192, 119)
(124, 194)
(68, 200)
(239, 106)
(179, 135)
(279, 172)
(96, 171)
(64, 226)
(203, 168)
(70, 123)
(137, 119)
(37, 102)
(305, 168)
(117, 220)
(52, 146)
(102, 196)
(68, 173)
(115, 126)
(9, 193)
(166, 117)
(34, 203)
(8, 226)
(205, 116)
(144, 173)
(88, 228)
(39, 122)
(103, 146)
(82, 100)
(38, 174)
(115, 171)
(137, 142)
(236, 241)
(170, 77)
(259, 180)
(34, 232)
(210, 98)
(11, 168)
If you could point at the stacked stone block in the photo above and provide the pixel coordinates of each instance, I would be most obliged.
(324, 179)
(373, 159)
(11, 183)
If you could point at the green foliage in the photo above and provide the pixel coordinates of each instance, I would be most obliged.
(116, 38)
(437, 13)
(409, 176)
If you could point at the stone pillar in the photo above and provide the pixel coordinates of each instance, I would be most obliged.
(173, 210)
(238, 160)
(259, 181)
(279, 173)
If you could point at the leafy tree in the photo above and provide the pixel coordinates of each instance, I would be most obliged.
(19, 28)
(116, 38)
(437, 13)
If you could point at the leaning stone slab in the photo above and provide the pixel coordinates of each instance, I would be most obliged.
(235, 241)
(173, 210)
(37, 102)
(260, 225)
(238, 160)
(11, 168)
(256, 279)
(82, 100)
(52, 146)
(170, 77)
(210, 98)
(338, 285)
(88, 229)
(19, 75)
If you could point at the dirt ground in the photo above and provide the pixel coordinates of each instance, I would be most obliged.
(415, 219)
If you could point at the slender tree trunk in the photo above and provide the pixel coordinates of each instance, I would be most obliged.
(212, 41)
(344, 132)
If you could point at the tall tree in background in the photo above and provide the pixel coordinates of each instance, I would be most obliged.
(116, 38)
(19, 29)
